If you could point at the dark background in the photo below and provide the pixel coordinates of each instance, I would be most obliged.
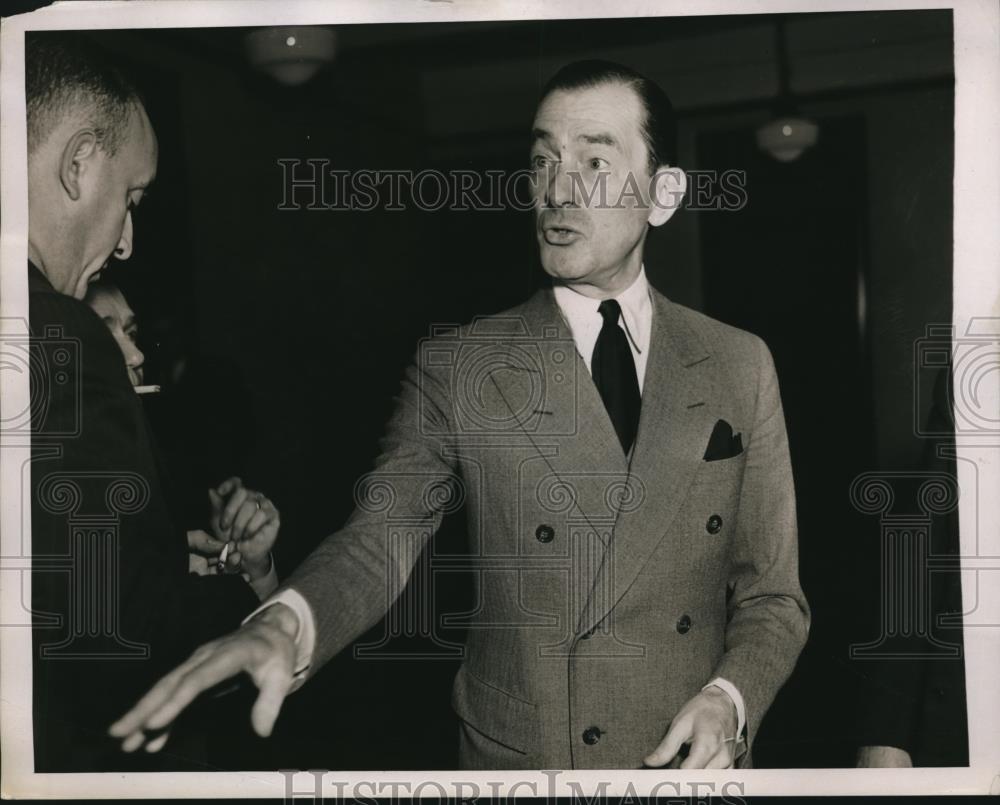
(294, 326)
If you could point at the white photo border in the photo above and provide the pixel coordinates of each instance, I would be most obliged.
(976, 296)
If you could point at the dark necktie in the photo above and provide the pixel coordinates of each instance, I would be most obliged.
(613, 371)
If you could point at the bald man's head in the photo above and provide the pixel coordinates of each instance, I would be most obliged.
(67, 78)
(91, 154)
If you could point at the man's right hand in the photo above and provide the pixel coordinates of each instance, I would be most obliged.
(264, 648)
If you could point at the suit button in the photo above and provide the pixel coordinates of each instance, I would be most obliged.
(684, 624)
(714, 524)
(545, 533)
(591, 735)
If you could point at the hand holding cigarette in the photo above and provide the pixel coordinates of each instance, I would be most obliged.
(248, 522)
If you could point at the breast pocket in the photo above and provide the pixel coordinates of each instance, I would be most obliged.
(723, 471)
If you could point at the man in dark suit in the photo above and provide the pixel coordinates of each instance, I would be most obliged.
(112, 600)
(624, 468)
(912, 708)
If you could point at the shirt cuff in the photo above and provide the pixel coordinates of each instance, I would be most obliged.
(736, 696)
(305, 633)
(265, 585)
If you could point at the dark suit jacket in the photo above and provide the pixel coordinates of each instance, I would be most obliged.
(609, 590)
(914, 702)
(113, 603)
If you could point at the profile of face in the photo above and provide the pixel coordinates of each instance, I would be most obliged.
(107, 301)
(593, 191)
(101, 191)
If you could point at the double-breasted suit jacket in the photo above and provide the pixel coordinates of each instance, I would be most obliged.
(610, 588)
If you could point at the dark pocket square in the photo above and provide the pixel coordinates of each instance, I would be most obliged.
(722, 443)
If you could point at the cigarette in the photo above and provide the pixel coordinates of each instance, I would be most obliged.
(146, 389)
(222, 557)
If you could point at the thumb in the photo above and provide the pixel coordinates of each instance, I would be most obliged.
(679, 732)
(215, 499)
(203, 542)
(273, 689)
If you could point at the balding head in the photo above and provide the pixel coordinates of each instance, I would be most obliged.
(91, 154)
(68, 79)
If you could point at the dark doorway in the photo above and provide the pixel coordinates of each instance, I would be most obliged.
(789, 266)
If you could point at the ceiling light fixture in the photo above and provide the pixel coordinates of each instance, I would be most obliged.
(788, 134)
(291, 55)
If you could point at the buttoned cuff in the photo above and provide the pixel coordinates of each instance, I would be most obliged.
(305, 632)
(736, 696)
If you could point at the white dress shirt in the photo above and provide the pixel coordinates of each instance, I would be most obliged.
(584, 321)
(580, 313)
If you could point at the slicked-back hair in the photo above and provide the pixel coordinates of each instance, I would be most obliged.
(65, 75)
(659, 129)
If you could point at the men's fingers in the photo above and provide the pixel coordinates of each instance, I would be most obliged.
(273, 690)
(226, 487)
(157, 743)
(723, 759)
(133, 742)
(135, 718)
(233, 561)
(216, 500)
(222, 662)
(704, 746)
(232, 507)
(198, 564)
(679, 732)
(203, 542)
(177, 689)
(259, 520)
(243, 517)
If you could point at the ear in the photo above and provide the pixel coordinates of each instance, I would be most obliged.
(77, 158)
(667, 188)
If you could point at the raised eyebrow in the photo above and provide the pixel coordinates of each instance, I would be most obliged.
(599, 139)
(541, 134)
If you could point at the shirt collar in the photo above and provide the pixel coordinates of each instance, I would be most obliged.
(581, 311)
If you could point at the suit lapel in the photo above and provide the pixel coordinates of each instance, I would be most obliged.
(569, 414)
(674, 423)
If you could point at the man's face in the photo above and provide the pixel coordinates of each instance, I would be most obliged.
(113, 190)
(592, 189)
(115, 312)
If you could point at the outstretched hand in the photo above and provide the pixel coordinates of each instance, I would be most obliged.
(264, 648)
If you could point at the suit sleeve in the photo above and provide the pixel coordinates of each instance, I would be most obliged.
(354, 575)
(768, 618)
(94, 468)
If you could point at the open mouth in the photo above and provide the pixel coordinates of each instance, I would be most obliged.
(560, 235)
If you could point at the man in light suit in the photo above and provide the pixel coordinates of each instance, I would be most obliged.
(624, 467)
